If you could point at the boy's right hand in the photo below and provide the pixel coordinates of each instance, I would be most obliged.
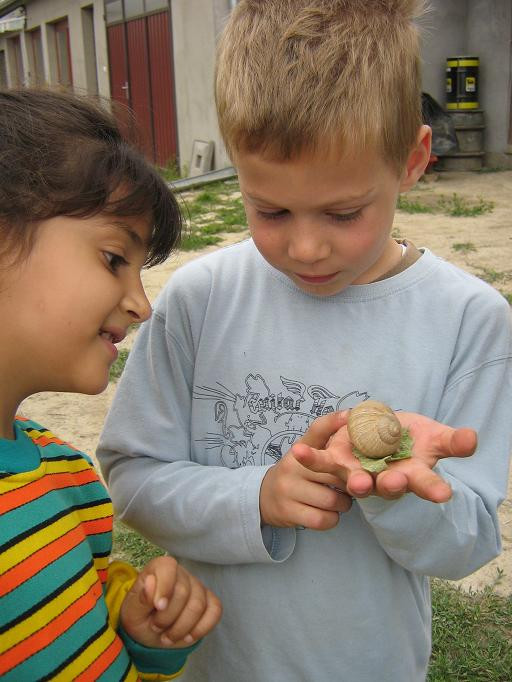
(292, 495)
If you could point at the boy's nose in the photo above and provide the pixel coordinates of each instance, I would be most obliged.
(307, 245)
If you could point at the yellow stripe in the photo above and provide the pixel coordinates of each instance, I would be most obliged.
(50, 467)
(49, 611)
(84, 660)
(12, 556)
(463, 62)
(462, 105)
(101, 563)
(62, 466)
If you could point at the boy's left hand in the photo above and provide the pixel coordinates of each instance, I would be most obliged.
(168, 607)
(432, 441)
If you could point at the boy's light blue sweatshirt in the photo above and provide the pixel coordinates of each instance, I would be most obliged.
(233, 366)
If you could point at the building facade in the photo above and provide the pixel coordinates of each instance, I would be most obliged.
(156, 58)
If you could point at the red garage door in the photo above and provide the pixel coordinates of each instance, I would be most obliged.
(142, 78)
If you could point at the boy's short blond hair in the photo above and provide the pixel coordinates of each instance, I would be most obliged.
(296, 75)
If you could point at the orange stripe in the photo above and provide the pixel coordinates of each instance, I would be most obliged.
(27, 568)
(102, 575)
(41, 639)
(16, 498)
(102, 663)
(96, 526)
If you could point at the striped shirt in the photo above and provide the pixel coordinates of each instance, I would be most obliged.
(55, 545)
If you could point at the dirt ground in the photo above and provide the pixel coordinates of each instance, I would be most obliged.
(78, 418)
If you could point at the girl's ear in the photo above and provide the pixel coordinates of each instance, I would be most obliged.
(418, 159)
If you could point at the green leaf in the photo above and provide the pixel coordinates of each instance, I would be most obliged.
(375, 466)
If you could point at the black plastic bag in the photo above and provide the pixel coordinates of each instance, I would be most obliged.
(444, 139)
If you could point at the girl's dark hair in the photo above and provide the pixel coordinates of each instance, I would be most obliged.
(64, 155)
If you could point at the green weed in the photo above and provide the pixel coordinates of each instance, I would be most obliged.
(131, 547)
(411, 206)
(463, 247)
(192, 241)
(508, 297)
(492, 276)
(459, 206)
(116, 369)
(472, 635)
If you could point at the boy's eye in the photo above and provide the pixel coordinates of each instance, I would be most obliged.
(346, 217)
(114, 260)
(272, 215)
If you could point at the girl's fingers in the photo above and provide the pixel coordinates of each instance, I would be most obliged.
(176, 602)
(192, 612)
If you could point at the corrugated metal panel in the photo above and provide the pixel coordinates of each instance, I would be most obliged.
(117, 63)
(162, 75)
(140, 93)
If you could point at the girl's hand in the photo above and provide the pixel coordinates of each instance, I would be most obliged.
(168, 607)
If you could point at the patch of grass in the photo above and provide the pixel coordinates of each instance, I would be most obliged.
(508, 297)
(492, 276)
(192, 241)
(170, 171)
(460, 206)
(463, 247)
(116, 369)
(131, 547)
(472, 635)
(413, 206)
(224, 215)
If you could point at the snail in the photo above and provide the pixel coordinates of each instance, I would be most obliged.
(374, 429)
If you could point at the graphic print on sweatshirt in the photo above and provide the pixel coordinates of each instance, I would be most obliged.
(258, 424)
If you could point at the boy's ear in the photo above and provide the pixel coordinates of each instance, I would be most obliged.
(418, 159)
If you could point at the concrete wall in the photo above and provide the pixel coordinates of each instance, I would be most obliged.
(195, 27)
(87, 77)
(482, 28)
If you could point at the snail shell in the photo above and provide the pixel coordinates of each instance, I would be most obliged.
(374, 429)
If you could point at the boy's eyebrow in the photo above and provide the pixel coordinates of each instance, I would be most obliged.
(354, 199)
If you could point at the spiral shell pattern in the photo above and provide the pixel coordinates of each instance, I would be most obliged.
(374, 429)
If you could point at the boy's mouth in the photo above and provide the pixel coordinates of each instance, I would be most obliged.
(316, 279)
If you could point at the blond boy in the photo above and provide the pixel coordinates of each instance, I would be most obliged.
(319, 106)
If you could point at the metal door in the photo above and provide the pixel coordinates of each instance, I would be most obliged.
(142, 77)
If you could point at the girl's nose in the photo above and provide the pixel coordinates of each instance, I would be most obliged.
(136, 302)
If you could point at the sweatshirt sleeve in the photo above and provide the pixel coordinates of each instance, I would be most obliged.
(195, 511)
(152, 664)
(454, 539)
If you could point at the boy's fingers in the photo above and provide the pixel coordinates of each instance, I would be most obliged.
(430, 486)
(359, 483)
(322, 429)
(458, 442)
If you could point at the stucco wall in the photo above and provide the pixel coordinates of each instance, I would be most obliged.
(195, 27)
(482, 28)
(43, 13)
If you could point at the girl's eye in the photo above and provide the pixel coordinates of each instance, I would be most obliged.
(114, 260)
(266, 215)
(346, 217)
